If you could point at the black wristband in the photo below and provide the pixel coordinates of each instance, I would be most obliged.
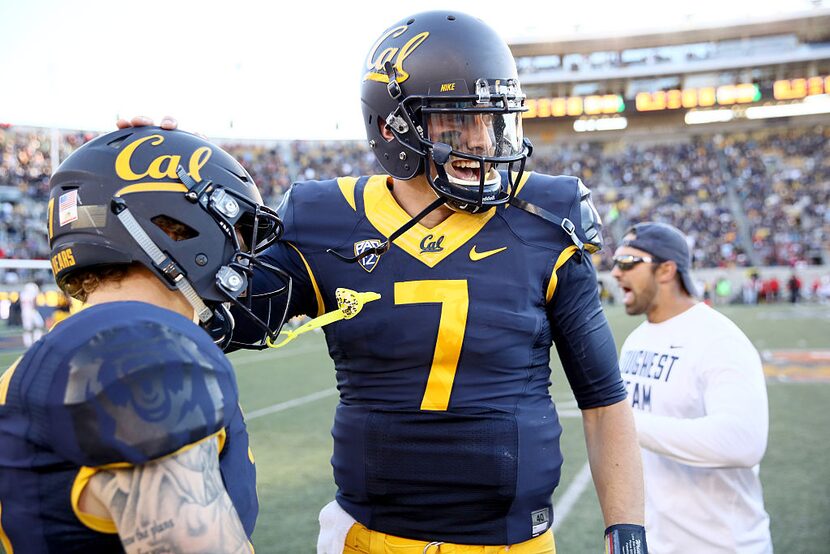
(626, 538)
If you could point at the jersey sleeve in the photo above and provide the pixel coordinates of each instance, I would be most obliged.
(286, 256)
(136, 393)
(733, 432)
(583, 337)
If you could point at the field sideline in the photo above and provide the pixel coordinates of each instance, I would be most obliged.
(289, 398)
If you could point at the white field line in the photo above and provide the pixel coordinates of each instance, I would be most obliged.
(267, 355)
(288, 404)
(562, 508)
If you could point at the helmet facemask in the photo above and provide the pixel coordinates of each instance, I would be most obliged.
(464, 138)
(251, 228)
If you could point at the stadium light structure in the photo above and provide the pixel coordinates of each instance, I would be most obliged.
(811, 105)
(697, 117)
(601, 124)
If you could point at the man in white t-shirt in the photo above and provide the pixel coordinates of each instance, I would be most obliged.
(697, 387)
(30, 316)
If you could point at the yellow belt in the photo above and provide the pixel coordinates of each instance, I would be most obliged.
(361, 540)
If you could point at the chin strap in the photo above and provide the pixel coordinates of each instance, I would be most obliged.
(383, 247)
(163, 263)
(349, 304)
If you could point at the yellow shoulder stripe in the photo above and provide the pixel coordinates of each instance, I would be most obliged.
(347, 185)
(4, 538)
(85, 473)
(521, 184)
(5, 379)
(94, 522)
(321, 308)
(563, 257)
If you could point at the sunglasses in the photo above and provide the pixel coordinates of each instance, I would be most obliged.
(628, 261)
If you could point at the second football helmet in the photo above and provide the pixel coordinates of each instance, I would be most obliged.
(111, 199)
(446, 86)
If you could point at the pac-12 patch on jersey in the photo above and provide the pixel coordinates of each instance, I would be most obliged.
(369, 262)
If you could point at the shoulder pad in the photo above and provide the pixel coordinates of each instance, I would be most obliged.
(565, 202)
(286, 212)
(137, 393)
(305, 201)
(590, 222)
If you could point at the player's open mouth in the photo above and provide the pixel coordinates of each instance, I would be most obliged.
(466, 170)
(628, 295)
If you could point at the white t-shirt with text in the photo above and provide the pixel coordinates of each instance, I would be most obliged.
(697, 387)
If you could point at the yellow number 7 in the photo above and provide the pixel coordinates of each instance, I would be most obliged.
(455, 302)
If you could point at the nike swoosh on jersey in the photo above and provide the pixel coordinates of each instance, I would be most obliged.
(476, 256)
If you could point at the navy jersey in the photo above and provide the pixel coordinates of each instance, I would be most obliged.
(445, 428)
(122, 382)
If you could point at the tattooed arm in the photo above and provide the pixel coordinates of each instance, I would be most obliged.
(176, 504)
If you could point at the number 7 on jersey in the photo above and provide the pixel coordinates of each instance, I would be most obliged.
(455, 301)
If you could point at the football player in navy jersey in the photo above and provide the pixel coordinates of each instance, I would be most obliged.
(120, 430)
(445, 431)
(446, 438)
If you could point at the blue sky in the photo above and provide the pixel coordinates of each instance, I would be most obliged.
(251, 68)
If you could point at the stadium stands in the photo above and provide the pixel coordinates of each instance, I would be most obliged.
(744, 199)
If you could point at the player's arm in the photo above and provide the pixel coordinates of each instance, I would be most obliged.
(733, 432)
(140, 409)
(304, 297)
(589, 357)
(176, 504)
(615, 462)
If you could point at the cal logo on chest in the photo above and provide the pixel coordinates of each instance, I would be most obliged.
(431, 244)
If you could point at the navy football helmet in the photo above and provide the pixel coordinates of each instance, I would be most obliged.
(446, 86)
(111, 197)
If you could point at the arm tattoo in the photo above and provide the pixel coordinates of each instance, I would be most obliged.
(174, 505)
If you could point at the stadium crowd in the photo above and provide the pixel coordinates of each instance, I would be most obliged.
(742, 199)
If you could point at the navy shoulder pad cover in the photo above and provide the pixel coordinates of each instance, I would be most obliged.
(566, 197)
(303, 202)
(136, 392)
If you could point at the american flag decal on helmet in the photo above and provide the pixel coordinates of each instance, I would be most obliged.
(369, 262)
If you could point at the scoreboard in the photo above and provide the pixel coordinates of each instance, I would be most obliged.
(675, 99)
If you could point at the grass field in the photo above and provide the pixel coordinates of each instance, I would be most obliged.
(289, 399)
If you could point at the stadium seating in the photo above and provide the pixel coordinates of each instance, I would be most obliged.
(757, 199)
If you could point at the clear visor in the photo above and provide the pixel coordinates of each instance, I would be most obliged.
(491, 135)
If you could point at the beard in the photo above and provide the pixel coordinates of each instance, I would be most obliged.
(642, 301)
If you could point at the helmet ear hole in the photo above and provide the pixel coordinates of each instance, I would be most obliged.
(174, 228)
(385, 132)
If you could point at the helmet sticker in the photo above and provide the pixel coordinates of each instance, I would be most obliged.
(68, 207)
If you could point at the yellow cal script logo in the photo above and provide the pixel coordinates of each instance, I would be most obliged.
(376, 60)
(161, 167)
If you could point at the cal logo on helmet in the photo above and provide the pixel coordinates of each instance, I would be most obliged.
(161, 167)
(395, 54)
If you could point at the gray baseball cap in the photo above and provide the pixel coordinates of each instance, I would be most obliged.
(666, 243)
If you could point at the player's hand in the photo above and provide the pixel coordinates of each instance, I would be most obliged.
(167, 122)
